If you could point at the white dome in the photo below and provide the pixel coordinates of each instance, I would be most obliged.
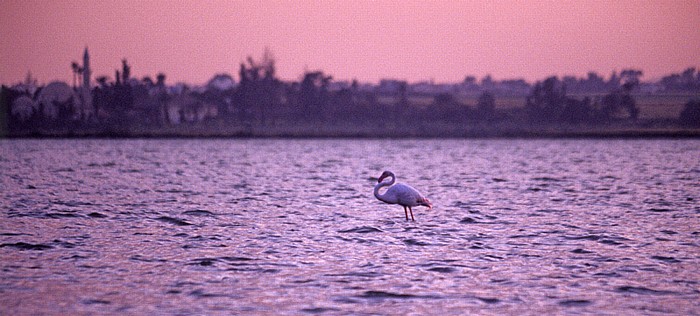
(221, 82)
(55, 92)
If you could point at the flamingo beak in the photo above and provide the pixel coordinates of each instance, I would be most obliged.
(428, 204)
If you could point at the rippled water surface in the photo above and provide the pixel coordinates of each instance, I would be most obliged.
(291, 227)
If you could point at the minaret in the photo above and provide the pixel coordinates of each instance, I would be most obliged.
(87, 111)
(86, 69)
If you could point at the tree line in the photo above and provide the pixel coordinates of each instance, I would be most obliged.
(261, 99)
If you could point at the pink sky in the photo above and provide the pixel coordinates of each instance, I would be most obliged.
(444, 41)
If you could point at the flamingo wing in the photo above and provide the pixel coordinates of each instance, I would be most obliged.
(405, 194)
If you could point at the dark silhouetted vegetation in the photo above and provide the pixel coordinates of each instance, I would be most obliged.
(690, 116)
(262, 104)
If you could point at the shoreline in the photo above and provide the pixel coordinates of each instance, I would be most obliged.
(321, 133)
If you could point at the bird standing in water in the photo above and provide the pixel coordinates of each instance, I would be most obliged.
(399, 193)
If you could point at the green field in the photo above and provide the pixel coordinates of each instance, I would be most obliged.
(657, 106)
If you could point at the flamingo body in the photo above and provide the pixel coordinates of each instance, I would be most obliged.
(401, 194)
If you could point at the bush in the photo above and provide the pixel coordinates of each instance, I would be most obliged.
(690, 115)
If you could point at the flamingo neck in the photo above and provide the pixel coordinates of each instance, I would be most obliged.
(382, 197)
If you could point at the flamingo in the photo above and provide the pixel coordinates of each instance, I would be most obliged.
(399, 193)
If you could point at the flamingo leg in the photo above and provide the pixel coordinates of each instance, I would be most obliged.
(410, 209)
(405, 211)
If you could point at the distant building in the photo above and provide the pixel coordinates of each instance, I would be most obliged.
(336, 86)
(85, 108)
(57, 100)
(431, 88)
(390, 86)
(221, 82)
(87, 72)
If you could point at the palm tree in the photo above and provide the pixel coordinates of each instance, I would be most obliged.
(77, 72)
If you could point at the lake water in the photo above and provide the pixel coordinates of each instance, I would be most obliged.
(220, 226)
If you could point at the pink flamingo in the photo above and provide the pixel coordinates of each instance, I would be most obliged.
(401, 194)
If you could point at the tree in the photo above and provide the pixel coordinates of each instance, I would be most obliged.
(690, 116)
(614, 82)
(631, 82)
(443, 99)
(487, 82)
(628, 103)
(148, 81)
(576, 112)
(160, 79)
(688, 79)
(313, 93)
(259, 92)
(447, 108)
(631, 77)
(162, 97)
(486, 106)
(268, 64)
(126, 71)
(593, 83)
(610, 105)
(620, 99)
(546, 101)
(102, 81)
